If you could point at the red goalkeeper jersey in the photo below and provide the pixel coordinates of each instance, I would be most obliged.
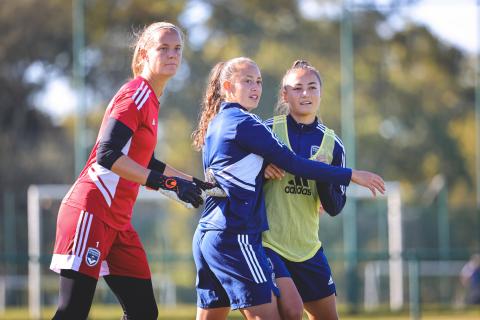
(136, 106)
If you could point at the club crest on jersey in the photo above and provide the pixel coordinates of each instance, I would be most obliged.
(313, 150)
(92, 257)
(270, 264)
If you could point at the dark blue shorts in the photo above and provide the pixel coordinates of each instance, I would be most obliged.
(313, 277)
(232, 270)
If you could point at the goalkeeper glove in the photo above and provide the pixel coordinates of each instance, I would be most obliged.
(176, 188)
(209, 189)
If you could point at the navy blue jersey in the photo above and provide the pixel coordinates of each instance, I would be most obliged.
(236, 145)
(305, 139)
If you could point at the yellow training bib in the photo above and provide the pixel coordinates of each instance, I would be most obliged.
(292, 205)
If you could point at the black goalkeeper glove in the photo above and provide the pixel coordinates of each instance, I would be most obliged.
(176, 188)
(209, 189)
(203, 184)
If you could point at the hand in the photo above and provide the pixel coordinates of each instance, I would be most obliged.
(369, 180)
(322, 158)
(186, 192)
(203, 184)
(273, 172)
(209, 189)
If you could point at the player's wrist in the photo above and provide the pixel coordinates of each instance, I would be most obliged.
(156, 180)
(153, 180)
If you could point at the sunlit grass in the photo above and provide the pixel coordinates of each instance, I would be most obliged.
(184, 312)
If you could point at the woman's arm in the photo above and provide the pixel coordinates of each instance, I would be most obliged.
(257, 138)
(333, 197)
(110, 156)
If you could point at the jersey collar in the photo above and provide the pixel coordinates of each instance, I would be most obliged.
(300, 126)
(228, 105)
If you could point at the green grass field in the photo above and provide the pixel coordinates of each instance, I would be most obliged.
(108, 312)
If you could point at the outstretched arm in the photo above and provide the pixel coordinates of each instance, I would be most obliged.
(259, 139)
(333, 197)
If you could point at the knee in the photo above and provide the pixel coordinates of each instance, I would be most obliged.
(293, 313)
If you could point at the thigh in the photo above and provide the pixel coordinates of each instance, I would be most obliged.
(267, 311)
(82, 241)
(211, 296)
(324, 309)
(75, 296)
(213, 313)
(240, 264)
(127, 256)
(290, 303)
(313, 277)
(135, 295)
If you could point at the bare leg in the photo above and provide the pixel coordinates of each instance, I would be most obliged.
(324, 309)
(290, 302)
(267, 311)
(213, 313)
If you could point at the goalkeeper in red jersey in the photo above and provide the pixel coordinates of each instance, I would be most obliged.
(94, 234)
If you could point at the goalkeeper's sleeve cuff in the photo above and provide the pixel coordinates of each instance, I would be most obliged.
(153, 180)
(156, 165)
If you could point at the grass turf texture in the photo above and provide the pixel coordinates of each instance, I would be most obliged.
(113, 312)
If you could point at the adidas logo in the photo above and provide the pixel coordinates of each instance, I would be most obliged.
(298, 186)
(330, 282)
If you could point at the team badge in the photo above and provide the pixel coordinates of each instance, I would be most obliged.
(313, 150)
(272, 269)
(92, 257)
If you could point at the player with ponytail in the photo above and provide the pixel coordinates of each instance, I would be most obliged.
(233, 271)
(292, 243)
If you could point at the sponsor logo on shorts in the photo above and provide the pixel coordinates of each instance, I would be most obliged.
(92, 257)
(298, 186)
(330, 282)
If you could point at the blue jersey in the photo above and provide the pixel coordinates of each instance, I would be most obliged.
(236, 145)
(305, 139)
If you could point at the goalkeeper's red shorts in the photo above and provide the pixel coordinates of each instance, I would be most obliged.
(86, 244)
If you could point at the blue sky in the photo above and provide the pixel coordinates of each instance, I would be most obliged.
(453, 21)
